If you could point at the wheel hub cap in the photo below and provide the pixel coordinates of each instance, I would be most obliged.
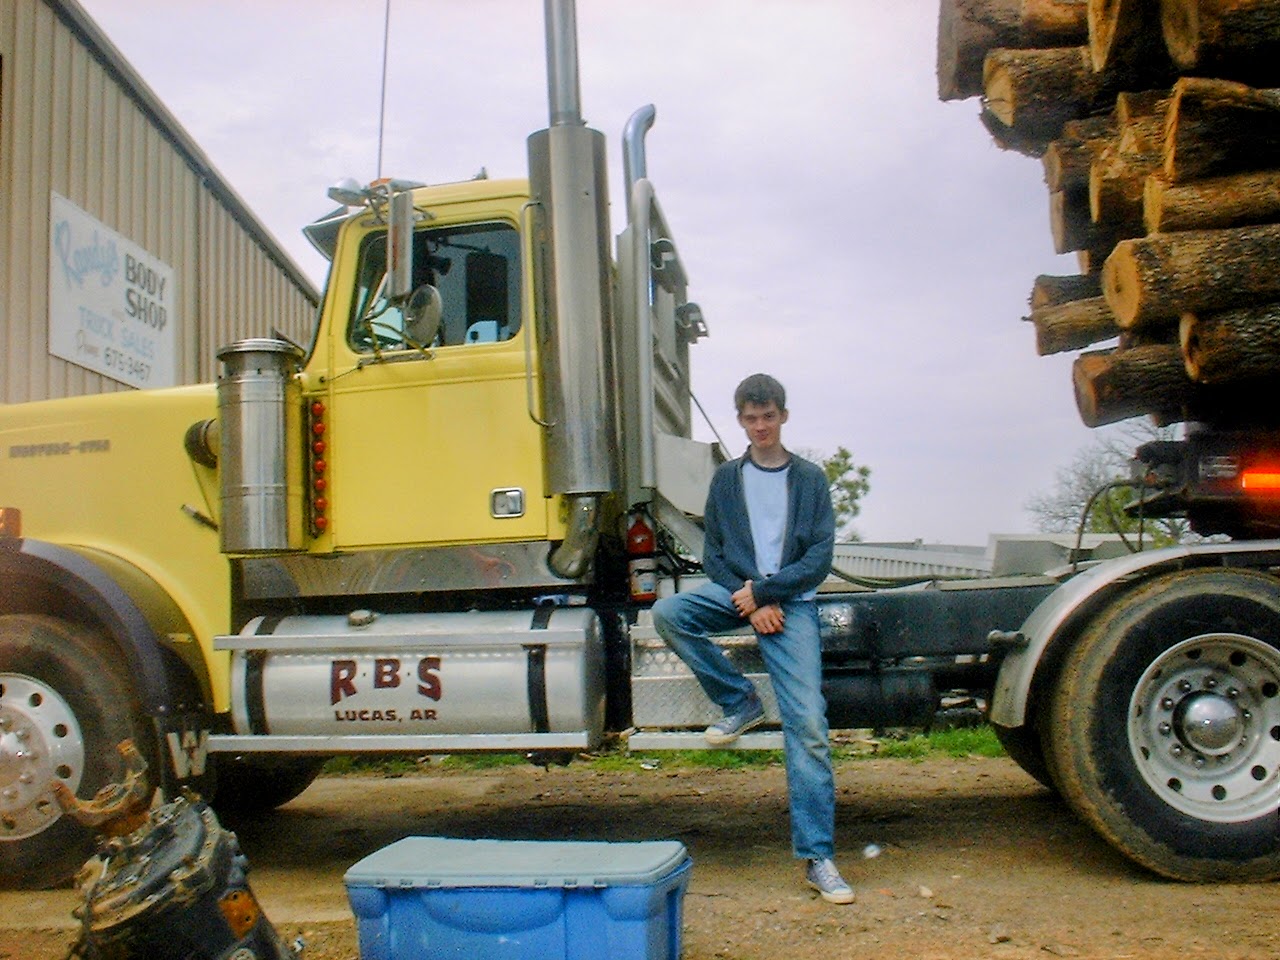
(40, 743)
(1204, 727)
(1209, 724)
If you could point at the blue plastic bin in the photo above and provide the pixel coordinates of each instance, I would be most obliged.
(435, 897)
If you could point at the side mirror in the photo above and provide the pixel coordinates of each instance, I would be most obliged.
(422, 313)
(400, 247)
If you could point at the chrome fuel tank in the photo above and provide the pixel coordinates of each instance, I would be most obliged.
(507, 672)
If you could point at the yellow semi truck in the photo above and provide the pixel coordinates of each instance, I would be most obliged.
(439, 525)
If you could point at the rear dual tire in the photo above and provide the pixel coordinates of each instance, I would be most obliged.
(1164, 730)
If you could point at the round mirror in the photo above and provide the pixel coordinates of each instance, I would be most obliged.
(422, 313)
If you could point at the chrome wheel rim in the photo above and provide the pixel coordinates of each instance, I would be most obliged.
(40, 744)
(1204, 727)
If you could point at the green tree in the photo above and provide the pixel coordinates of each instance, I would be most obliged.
(849, 483)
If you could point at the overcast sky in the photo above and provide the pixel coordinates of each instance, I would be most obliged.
(843, 229)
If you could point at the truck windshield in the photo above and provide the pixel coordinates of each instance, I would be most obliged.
(475, 267)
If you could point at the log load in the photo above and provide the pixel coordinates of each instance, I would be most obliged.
(1116, 183)
(1052, 291)
(1114, 385)
(1158, 127)
(1118, 172)
(1217, 127)
(1073, 325)
(1073, 229)
(1034, 92)
(1233, 39)
(1122, 44)
(967, 29)
(1235, 201)
(1066, 160)
(1161, 276)
(1141, 118)
(1233, 345)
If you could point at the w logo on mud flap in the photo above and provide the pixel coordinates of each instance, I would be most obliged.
(189, 752)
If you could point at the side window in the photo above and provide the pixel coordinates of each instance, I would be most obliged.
(475, 268)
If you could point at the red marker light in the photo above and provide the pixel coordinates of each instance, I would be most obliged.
(318, 466)
(318, 447)
(317, 409)
(10, 522)
(321, 523)
(1261, 481)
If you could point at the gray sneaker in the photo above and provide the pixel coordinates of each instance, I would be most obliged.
(724, 732)
(823, 876)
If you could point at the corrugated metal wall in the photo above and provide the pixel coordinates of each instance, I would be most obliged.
(75, 120)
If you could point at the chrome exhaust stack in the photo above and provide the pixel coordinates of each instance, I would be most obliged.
(569, 186)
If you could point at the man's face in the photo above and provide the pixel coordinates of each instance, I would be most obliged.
(763, 424)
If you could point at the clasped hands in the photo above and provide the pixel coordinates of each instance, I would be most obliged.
(766, 619)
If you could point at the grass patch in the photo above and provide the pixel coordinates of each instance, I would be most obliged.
(977, 741)
(400, 766)
(960, 742)
(347, 766)
(481, 761)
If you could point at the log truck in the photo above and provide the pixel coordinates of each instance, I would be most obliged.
(439, 527)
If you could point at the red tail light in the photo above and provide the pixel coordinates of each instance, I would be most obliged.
(1261, 480)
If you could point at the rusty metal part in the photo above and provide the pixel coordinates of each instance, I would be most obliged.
(118, 808)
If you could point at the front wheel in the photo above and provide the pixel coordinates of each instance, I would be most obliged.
(1166, 725)
(65, 703)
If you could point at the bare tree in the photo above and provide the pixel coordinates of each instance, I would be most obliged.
(1081, 483)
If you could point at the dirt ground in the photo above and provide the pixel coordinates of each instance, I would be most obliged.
(975, 860)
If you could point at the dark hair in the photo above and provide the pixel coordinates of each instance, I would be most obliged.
(762, 389)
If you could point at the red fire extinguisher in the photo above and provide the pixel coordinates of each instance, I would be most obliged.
(642, 567)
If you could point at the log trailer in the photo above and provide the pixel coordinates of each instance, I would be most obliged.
(439, 528)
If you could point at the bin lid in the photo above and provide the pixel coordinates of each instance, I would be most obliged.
(417, 862)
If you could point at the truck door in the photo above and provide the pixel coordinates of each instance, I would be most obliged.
(431, 442)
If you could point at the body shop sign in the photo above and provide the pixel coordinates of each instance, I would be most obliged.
(111, 304)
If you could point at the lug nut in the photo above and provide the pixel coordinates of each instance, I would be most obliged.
(1166, 703)
(1198, 761)
(1165, 728)
(23, 734)
(1176, 750)
(1184, 686)
(1210, 682)
(1232, 693)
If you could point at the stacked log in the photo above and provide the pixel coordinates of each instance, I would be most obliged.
(1157, 124)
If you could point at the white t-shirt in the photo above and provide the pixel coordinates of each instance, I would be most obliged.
(766, 494)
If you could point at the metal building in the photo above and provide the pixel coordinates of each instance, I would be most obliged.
(125, 259)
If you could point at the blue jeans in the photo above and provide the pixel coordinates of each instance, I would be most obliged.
(794, 661)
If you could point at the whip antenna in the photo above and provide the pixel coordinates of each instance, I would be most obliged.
(382, 113)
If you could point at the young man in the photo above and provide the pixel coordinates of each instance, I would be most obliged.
(769, 536)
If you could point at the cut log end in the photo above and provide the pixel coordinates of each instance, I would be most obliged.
(1180, 24)
(1122, 285)
(998, 97)
(1116, 385)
